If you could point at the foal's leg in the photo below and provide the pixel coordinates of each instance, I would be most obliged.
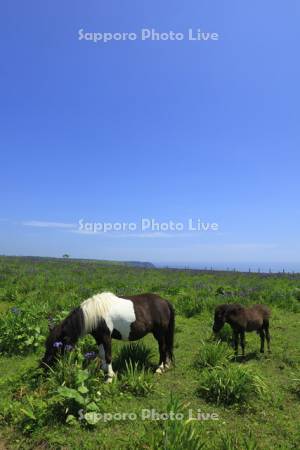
(262, 341)
(108, 364)
(268, 337)
(236, 342)
(242, 336)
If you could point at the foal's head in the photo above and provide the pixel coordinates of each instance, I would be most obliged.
(220, 318)
(225, 312)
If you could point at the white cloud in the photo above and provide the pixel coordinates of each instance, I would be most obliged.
(142, 235)
(43, 224)
(115, 234)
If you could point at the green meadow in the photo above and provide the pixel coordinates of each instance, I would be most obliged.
(209, 399)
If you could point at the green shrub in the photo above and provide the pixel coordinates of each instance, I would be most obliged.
(19, 332)
(234, 441)
(10, 294)
(136, 380)
(68, 393)
(189, 305)
(230, 385)
(136, 354)
(28, 415)
(175, 434)
(282, 298)
(289, 357)
(213, 354)
(296, 294)
(295, 387)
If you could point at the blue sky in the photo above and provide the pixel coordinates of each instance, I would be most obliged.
(169, 130)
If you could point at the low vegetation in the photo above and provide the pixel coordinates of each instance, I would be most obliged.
(232, 384)
(221, 402)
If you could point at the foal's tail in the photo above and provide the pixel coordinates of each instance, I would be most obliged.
(170, 332)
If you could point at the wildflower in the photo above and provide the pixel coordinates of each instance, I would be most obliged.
(90, 355)
(15, 310)
(57, 344)
(68, 347)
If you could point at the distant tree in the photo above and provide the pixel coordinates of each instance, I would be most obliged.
(66, 256)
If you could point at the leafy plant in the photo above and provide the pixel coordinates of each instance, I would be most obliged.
(230, 441)
(213, 354)
(20, 332)
(32, 413)
(75, 388)
(189, 305)
(231, 384)
(178, 433)
(135, 354)
(136, 380)
(295, 387)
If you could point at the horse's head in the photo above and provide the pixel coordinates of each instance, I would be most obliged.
(229, 312)
(56, 343)
(220, 317)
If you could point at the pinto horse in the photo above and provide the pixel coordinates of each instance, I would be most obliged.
(106, 316)
(241, 319)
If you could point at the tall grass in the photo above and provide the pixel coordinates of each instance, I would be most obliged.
(213, 354)
(190, 305)
(137, 380)
(233, 384)
(176, 434)
(234, 441)
(136, 354)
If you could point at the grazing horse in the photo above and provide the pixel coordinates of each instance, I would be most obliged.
(106, 316)
(241, 319)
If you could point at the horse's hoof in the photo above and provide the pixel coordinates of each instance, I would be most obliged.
(109, 380)
(159, 370)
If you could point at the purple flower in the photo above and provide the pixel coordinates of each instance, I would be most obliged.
(68, 347)
(90, 355)
(15, 310)
(57, 344)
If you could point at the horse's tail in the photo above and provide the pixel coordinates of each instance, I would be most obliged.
(170, 332)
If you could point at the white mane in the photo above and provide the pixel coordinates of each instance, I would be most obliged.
(96, 308)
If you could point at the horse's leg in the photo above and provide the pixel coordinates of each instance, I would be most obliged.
(162, 352)
(168, 356)
(102, 357)
(107, 350)
(242, 337)
(235, 341)
(168, 362)
(262, 341)
(268, 337)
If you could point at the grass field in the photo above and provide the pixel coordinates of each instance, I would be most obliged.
(255, 403)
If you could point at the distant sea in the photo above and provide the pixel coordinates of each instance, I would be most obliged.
(263, 267)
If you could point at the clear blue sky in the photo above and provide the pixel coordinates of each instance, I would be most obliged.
(169, 130)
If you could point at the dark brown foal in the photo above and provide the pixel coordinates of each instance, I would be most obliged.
(242, 319)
